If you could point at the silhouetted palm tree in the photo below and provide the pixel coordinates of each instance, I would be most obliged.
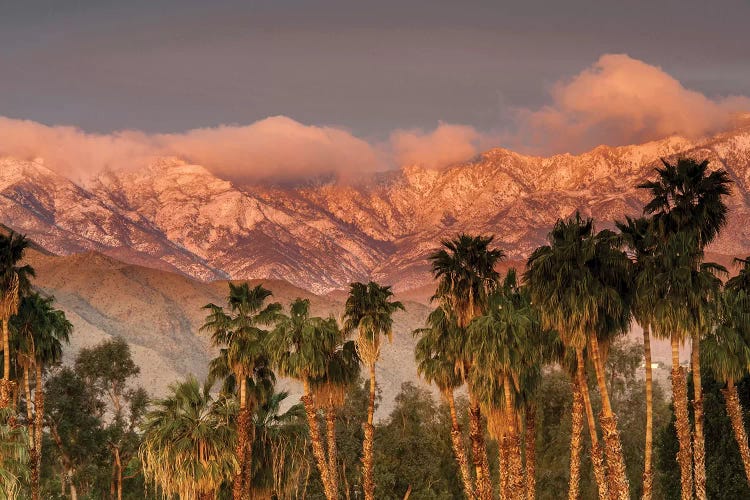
(369, 311)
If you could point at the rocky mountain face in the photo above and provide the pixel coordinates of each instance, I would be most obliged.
(174, 216)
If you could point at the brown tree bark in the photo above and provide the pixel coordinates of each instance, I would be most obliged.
(479, 451)
(368, 482)
(597, 456)
(333, 461)
(244, 420)
(734, 410)
(648, 479)
(7, 386)
(503, 472)
(513, 447)
(682, 424)
(317, 444)
(576, 442)
(619, 488)
(458, 447)
(699, 442)
(38, 423)
(530, 451)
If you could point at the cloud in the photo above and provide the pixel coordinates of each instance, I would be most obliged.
(620, 100)
(446, 145)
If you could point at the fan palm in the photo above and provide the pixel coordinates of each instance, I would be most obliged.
(465, 270)
(14, 282)
(580, 283)
(40, 330)
(688, 198)
(639, 237)
(369, 311)
(243, 361)
(300, 347)
(436, 363)
(188, 440)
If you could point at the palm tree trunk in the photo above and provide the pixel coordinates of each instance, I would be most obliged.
(333, 461)
(576, 442)
(479, 450)
(515, 465)
(244, 420)
(458, 447)
(619, 489)
(647, 453)
(597, 455)
(6, 384)
(38, 427)
(699, 442)
(682, 423)
(734, 410)
(502, 468)
(34, 472)
(367, 446)
(317, 443)
(530, 451)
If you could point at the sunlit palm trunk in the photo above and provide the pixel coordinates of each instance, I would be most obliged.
(479, 450)
(682, 424)
(618, 479)
(6, 384)
(576, 442)
(734, 410)
(513, 447)
(530, 451)
(458, 447)
(699, 443)
(38, 427)
(647, 472)
(333, 468)
(244, 420)
(597, 455)
(317, 443)
(367, 446)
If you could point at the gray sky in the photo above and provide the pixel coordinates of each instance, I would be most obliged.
(168, 66)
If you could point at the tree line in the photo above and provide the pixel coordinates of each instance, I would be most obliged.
(494, 345)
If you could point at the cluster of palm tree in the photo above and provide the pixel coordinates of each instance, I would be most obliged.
(579, 293)
(33, 333)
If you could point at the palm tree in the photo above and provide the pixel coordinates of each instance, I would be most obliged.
(300, 347)
(686, 197)
(187, 442)
(14, 282)
(640, 239)
(40, 330)
(242, 362)
(465, 270)
(436, 363)
(580, 283)
(727, 351)
(13, 456)
(369, 311)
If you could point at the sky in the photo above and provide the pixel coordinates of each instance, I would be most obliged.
(385, 82)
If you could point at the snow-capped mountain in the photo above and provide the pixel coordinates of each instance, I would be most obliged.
(176, 216)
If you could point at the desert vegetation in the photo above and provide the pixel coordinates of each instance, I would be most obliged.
(539, 391)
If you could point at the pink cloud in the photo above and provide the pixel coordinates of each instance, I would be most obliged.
(446, 145)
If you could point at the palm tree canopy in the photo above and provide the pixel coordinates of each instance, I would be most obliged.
(581, 282)
(436, 354)
(465, 270)
(12, 249)
(686, 196)
(369, 310)
(341, 373)
(742, 280)
(188, 441)
(727, 349)
(40, 329)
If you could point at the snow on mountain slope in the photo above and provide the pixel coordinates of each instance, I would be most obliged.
(175, 216)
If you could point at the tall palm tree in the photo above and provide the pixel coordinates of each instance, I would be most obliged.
(465, 270)
(639, 237)
(40, 330)
(727, 350)
(188, 438)
(369, 311)
(14, 282)
(242, 362)
(436, 363)
(300, 347)
(688, 197)
(580, 283)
